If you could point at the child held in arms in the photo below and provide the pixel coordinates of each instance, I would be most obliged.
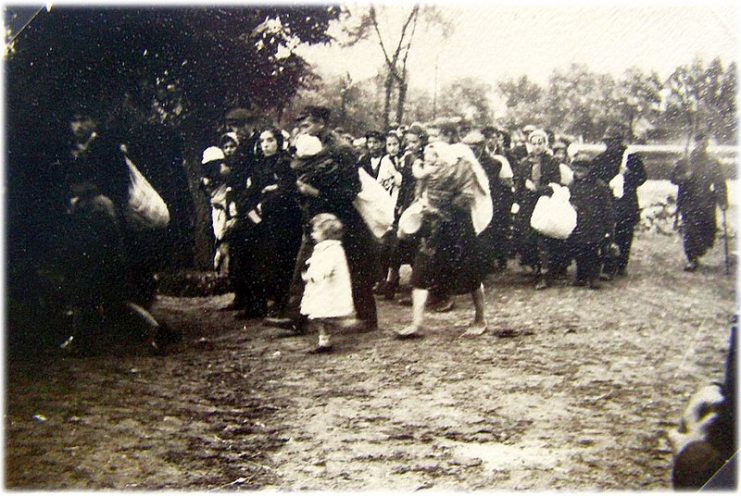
(327, 296)
(214, 181)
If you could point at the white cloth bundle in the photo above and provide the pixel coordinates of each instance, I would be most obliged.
(554, 216)
(411, 220)
(482, 208)
(146, 209)
(374, 205)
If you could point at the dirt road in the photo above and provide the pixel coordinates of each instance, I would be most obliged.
(579, 396)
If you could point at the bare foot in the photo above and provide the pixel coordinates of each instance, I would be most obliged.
(475, 329)
(407, 332)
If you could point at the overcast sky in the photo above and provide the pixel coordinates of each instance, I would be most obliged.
(497, 41)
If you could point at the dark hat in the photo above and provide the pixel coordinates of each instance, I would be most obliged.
(614, 132)
(558, 145)
(416, 129)
(240, 115)
(489, 131)
(315, 112)
(581, 164)
(448, 127)
(229, 137)
(374, 134)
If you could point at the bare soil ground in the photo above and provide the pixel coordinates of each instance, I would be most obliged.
(580, 395)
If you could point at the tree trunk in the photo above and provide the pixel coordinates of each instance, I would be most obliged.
(401, 100)
(343, 107)
(388, 86)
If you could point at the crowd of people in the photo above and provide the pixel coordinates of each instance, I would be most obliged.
(458, 204)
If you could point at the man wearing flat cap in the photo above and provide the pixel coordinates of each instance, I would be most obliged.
(328, 182)
(605, 167)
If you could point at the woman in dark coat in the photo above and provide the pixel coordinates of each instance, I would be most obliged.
(447, 254)
(281, 218)
(532, 180)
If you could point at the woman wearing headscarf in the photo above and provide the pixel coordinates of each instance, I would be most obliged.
(449, 184)
(536, 172)
(281, 217)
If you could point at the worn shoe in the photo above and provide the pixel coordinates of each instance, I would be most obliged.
(691, 266)
(293, 332)
(279, 322)
(605, 277)
(323, 346)
(579, 283)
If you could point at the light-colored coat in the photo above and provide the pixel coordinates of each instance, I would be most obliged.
(328, 291)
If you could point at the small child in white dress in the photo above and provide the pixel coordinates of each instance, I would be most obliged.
(327, 295)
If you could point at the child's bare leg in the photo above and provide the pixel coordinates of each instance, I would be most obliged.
(419, 300)
(324, 340)
(479, 320)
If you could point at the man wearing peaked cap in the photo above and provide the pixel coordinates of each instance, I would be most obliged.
(239, 114)
(315, 112)
(605, 167)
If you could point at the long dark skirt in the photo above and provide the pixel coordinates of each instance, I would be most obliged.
(447, 256)
(698, 231)
(525, 237)
(277, 254)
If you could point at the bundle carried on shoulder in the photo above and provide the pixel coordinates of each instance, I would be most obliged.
(145, 209)
(482, 208)
(553, 216)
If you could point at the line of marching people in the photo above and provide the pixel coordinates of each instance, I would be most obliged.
(310, 224)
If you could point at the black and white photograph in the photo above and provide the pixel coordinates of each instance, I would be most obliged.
(375, 246)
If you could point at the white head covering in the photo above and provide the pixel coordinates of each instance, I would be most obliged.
(211, 154)
(540, 133)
